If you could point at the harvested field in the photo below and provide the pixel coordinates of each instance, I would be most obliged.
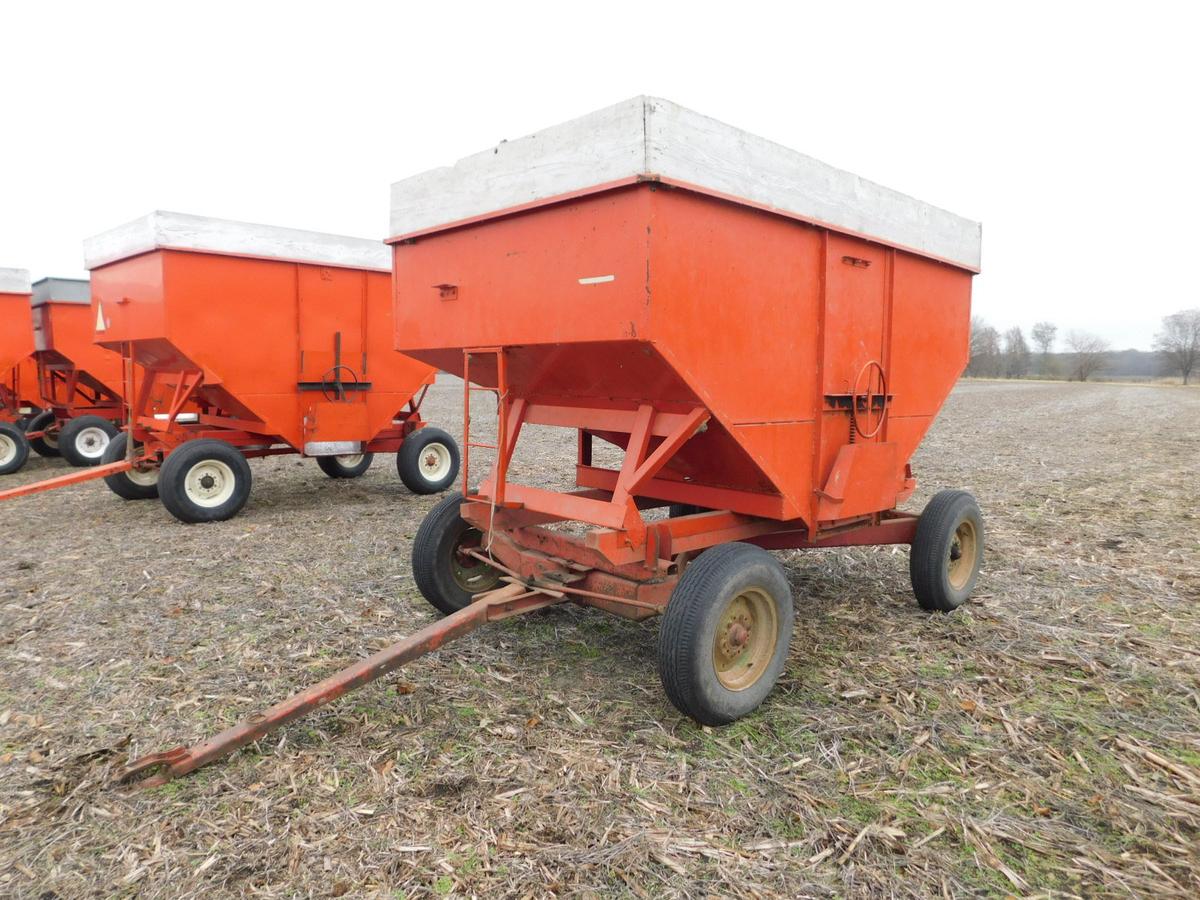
(1045, 739)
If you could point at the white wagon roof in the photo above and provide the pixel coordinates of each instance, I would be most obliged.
(62, 290)
(179, 231)
(647, 137)
(14, 281)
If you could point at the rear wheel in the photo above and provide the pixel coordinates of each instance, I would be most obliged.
(14, 448)
(83, 441)
(349, 465)
(947, 551)
(204, 481)
(446, 576)
(136, 484)
(47, 444)
(725, 634)
(428, 461)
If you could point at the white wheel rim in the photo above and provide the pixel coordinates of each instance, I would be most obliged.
(209, 483)
(8, 449)
(435, 461)
(91, 442)
(349, 460)
(50, 440)
(143, 477)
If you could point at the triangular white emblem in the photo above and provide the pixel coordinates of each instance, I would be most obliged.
(100, 326)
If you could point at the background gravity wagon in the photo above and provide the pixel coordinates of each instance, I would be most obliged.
(80, 385)
(281, 342)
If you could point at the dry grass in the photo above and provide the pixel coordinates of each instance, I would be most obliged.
(1044, 740)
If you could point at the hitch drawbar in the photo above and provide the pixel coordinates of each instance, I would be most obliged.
(502, 603)
(90, 473)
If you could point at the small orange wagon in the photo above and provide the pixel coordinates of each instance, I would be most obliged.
(263, 341)
(80, 385)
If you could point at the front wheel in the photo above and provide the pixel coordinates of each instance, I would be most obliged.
(947, 551)
(725, 634)
(445, 574)
(14, 448)
(47, 444)
(204, 481)
(135, 484)
(428, 461)
(83, 441)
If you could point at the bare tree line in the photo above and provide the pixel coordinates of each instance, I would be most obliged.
(1009, 355)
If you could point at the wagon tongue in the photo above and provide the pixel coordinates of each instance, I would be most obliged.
(510, 600)
(78, 475)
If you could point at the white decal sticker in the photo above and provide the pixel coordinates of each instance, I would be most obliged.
(100, 326)
(598, 279)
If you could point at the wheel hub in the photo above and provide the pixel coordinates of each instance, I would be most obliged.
(736, 636)
(745, 639)
(471, 574)
(92, 442)
(210, 483)
(435, 462)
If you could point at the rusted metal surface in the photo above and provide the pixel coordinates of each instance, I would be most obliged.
(510, 600)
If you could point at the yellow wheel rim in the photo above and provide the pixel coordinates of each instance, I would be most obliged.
(744, 643)
(963, 554)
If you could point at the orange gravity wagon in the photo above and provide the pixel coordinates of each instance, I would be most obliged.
(759, 340)
(18, 371)
(280, 340)
(80, 385)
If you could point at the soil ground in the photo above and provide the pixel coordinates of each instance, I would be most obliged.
(1043, 740)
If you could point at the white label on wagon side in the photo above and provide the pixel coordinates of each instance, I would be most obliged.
(598, 279)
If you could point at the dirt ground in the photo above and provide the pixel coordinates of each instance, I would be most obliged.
(1043, 740)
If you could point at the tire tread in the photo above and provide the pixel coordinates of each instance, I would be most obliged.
(926, 565)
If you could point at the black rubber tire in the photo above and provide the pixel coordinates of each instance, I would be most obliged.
(930, 556)
(333, 467)
(43, 446)
(14, 442)
(179, 462)
(120, 483)
(69, 440)
(689, 629)
(440, 534)
(412, 453)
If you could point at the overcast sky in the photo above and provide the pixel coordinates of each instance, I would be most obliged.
(1068, 129)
